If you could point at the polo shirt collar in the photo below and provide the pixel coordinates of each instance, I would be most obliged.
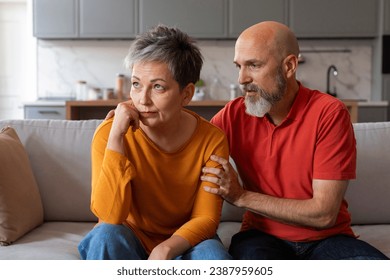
(302, 98)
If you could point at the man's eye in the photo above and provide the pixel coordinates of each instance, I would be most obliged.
(135, 84)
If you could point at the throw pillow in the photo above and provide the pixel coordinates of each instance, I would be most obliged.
(21, 207)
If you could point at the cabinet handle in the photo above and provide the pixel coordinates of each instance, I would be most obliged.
(48, 112)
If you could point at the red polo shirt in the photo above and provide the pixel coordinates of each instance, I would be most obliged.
(315, 141)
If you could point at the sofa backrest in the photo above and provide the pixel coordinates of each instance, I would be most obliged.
(59, 153)
(369, 195)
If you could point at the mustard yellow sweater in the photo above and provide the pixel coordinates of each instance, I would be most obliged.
(155, 193)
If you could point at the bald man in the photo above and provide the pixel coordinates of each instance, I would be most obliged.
(295, 152)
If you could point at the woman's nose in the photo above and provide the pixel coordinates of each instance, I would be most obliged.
(145, 96)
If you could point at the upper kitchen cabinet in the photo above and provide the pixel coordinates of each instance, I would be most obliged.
(386, 19)
(57, 19)
(334, 18)
(244, 13)
(199, 18)
(108, 19)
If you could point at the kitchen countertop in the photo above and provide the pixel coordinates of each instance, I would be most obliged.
(45, 103)
(373, 103)
(63, 102)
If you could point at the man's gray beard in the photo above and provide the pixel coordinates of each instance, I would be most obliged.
(261, 103)
(257, 106)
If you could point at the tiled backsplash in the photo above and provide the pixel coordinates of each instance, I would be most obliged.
(62, 63)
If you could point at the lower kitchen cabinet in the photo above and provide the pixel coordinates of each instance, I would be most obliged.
(44, 112)
(373, 114)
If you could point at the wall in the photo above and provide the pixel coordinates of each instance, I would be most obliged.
(14, 58)
(62, 62)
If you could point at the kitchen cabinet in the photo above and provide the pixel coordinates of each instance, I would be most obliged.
(55, 18)
(373, 113)
(386, 17)
(54, 112)
(386, 92)
(204, 19)
(199, 18)
(108, 19)
(58, 19)
(244, 13)
(334, 18)
(386, 87)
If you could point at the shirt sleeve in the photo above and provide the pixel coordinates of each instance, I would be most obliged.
(335, 155)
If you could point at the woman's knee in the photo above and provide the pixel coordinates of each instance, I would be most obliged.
(211, 249)
(107, 241)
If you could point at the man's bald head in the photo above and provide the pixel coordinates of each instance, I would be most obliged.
(276, 36)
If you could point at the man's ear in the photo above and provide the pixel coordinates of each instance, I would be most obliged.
(187, 93)
(290, 63)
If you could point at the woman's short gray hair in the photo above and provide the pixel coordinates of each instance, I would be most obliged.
(171, 46)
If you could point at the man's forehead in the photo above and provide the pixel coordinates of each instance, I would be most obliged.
(250, 51)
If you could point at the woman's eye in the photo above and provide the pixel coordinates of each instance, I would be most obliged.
(158, 87)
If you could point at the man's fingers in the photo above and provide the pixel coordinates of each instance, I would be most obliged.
(212, 190)
(210, 179)
(225, 163)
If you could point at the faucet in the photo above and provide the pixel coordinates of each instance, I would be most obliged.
(331, 70)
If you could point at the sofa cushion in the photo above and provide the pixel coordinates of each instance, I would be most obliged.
(49, 241)
(20, 202)
(368, 195)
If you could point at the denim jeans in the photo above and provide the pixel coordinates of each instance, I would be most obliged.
(118, 242)
(256, 245)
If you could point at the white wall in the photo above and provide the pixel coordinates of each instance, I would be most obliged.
(12, 57)
(62, 62)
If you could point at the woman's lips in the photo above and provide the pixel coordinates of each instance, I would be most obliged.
(147, 114)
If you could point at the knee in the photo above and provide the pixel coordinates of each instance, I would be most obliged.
(108, 229)
(213, 249)
(104, 231)
(103, 238)
(104, 234)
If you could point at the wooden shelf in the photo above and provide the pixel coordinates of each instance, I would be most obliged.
(98, 109)
(352, 107)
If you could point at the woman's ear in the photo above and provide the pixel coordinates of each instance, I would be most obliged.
(187, 94)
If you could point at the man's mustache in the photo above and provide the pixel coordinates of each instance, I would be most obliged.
(250, 87)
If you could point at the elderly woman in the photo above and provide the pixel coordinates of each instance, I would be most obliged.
(148, 158)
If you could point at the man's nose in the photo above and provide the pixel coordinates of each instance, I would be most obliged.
(244, 77)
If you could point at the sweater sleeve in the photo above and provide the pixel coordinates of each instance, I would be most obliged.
(207, 208)
(111, 176)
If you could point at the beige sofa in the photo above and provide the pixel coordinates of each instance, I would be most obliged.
(59, 155)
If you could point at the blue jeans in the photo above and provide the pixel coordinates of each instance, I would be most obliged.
(256, 245)
(118, 242)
